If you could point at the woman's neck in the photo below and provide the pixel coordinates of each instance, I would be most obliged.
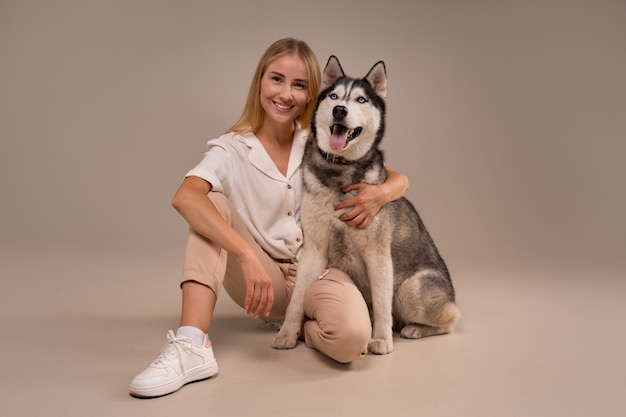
(277, 143)
(279, 134)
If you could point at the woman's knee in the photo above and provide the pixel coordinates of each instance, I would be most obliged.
(343, 344)
(340, 325)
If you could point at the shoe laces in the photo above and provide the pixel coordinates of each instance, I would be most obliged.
(172, 349)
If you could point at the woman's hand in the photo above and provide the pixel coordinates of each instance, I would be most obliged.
(370, 198)
(259, 291)
(364, 206)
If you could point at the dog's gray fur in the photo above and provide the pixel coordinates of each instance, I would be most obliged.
(393, 261)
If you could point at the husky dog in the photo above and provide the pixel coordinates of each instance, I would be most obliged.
(393, 261)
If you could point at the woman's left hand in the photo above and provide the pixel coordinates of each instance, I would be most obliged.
(369, 198)
(364, 206)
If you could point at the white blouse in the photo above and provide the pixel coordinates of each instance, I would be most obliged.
(268, 201)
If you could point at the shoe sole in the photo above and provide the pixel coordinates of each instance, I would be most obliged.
(193, 375)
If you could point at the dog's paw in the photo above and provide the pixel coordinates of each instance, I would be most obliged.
(412, 331)
(285, 340)
(416, 331)
(380, 346)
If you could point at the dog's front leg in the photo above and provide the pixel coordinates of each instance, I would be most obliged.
(310, 267)
(380, 274)
(287, 336)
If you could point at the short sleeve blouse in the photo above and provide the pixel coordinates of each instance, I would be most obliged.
(268, 201)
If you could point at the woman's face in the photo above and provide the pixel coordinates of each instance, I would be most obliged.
(285, 89)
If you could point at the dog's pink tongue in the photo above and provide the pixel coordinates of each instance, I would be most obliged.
(338, 139)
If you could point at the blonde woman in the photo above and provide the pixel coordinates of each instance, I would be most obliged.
(242, 203)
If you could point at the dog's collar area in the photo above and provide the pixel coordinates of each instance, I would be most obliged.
(334, 159)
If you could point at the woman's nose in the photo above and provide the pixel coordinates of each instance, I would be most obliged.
(285, 92)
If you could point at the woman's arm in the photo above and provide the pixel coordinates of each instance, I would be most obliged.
(370, 198)
(192, 202)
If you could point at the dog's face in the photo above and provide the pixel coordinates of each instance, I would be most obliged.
(349, 118)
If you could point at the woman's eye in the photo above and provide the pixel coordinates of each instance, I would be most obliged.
(275, 78)
(299, 86)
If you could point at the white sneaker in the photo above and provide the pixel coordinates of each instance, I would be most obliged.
(179, 363)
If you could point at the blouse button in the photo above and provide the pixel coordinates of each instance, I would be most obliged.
(288, 213)
(289, 186)
(298, 240)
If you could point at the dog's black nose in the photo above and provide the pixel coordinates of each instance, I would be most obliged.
(340, 112)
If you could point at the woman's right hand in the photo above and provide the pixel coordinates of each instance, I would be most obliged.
(259, 291)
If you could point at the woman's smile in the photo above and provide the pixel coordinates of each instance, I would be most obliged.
(283, 107)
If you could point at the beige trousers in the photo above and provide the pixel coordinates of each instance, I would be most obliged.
(337, 320)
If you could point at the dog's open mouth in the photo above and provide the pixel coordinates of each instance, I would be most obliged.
(340, 136)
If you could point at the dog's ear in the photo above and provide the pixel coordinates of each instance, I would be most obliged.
(332, 72)
(377, 77)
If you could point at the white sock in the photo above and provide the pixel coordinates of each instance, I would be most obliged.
(192, 333)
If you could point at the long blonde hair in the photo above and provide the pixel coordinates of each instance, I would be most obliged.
(253, 114)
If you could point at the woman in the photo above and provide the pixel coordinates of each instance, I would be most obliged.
(242, 204)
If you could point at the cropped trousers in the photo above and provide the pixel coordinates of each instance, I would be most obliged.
(337, 321)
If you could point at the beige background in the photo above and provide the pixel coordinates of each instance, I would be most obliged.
(507, 117)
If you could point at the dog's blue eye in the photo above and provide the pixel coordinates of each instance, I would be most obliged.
(361, 100)
(333, 96)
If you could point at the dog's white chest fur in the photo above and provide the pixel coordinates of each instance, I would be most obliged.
(347, 245)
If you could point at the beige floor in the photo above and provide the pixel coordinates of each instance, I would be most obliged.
(529, 345)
